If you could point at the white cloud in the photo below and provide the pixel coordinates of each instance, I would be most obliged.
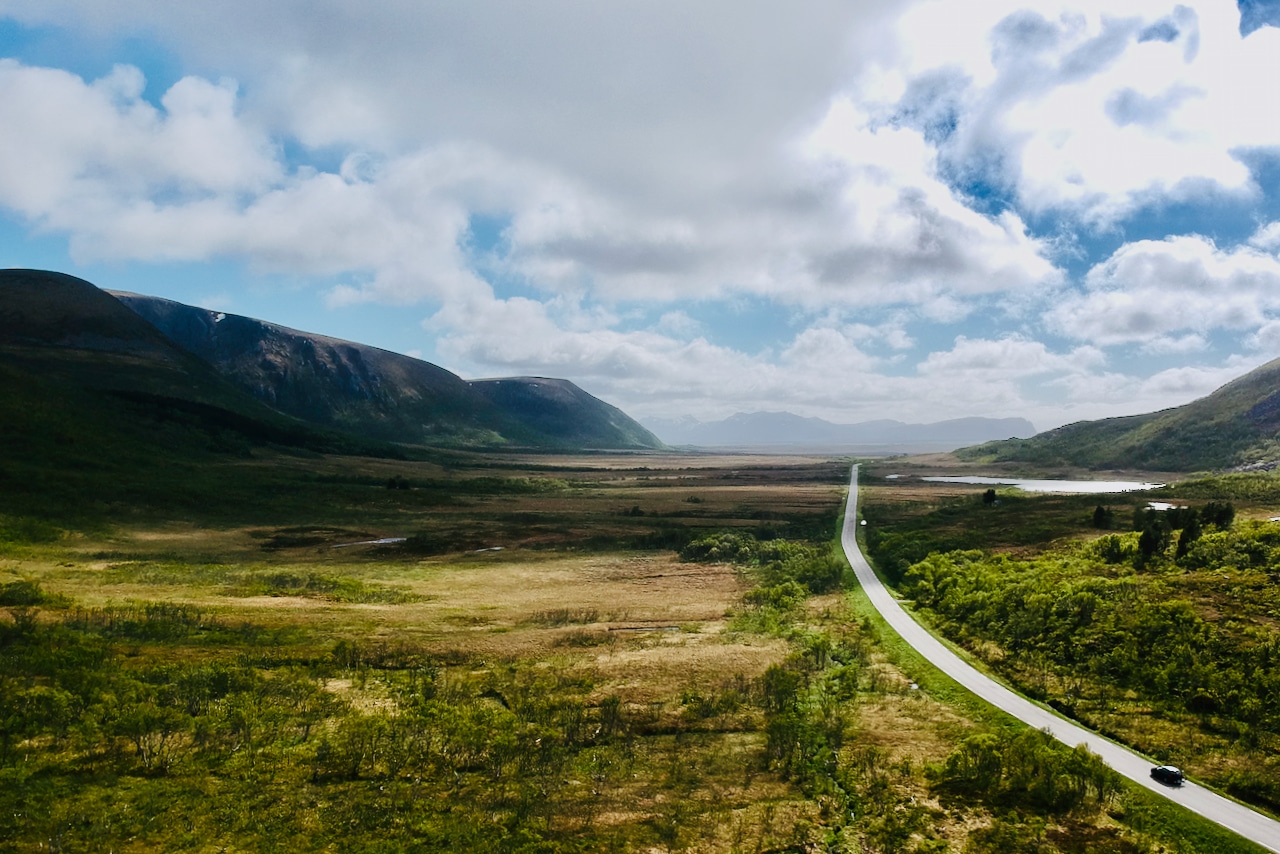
(68, 144)
(904, 231)
(1011, 357)
(1086, 396)
(1152, 290)
(660, 152)
(1267, 238)
(859, 218)
(1266, 339)
(1176, 344)
(822, 371)
(1091, 109)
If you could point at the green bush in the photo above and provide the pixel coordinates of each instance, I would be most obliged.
(26, 594)
(1029, 770)
(21, 530)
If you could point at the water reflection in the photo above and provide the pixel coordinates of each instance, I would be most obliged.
(1071, 486)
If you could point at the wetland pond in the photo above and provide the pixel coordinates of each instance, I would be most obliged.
(1080, 487)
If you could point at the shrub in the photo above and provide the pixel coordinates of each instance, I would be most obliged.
(25, 594)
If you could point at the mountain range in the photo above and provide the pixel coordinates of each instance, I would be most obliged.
(387, 396)
(105, 414)
(106, 381)
(785, 430)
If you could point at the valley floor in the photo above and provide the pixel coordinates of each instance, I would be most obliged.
(658, 658)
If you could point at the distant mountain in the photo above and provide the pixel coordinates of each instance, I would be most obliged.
(777, 429)
(1236, 426)
(382, 395)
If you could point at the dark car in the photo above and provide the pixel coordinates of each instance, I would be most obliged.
(1168, 775)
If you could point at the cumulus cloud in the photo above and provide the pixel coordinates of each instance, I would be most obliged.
(1011, 357)
(1108, 393)
(865, 167)
(824, 370)
(1266, 339)
(66, 143)
(1091, 111)
(905, 231)
(1161, 292)
(865, 219)
(1267, 238)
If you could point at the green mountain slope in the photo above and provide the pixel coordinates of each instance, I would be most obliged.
(98, 408)
(336, 383)
(559, 408)
(1237, 425)
(383, 395)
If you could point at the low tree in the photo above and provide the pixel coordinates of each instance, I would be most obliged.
(1154, 540)
(1221, 514)
(1140, 517)
(1190, 533)
(157, 732)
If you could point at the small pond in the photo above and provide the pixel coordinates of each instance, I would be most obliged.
(1072, 486)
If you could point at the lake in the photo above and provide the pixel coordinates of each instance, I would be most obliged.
(1071, 486)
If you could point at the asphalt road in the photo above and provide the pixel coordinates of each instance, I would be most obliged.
(1231, 815)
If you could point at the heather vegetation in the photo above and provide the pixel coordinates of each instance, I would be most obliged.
(1163, 635)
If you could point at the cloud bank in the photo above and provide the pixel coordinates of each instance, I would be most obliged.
(934, 196)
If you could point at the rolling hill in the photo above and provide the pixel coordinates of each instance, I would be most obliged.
(1236, 426)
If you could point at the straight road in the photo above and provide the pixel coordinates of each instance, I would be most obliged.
(1231, 815)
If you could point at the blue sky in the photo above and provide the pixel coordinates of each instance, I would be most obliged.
(911, 210)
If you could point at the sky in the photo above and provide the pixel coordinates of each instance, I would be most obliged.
(849, 210)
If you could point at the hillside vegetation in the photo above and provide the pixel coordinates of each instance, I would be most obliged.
(1158, 629)
(99, 410)
(1237, 425)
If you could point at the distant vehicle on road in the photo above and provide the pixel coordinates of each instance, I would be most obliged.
(1168, 775)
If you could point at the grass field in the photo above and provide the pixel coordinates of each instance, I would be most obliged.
(536, 668)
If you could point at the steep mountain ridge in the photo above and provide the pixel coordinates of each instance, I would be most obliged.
(387, 396)
(68, 331)
(333, 382)
(98, 408)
